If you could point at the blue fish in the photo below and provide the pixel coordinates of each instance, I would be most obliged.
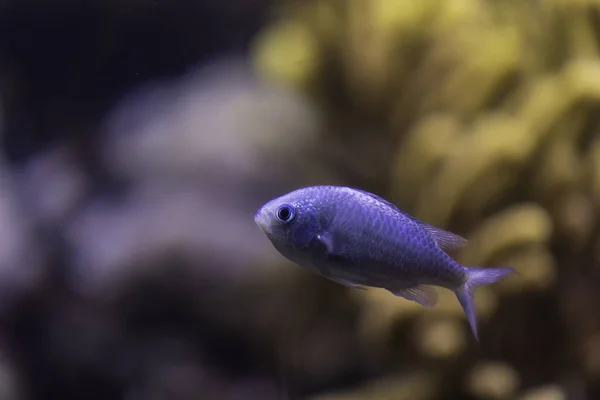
(359, 240)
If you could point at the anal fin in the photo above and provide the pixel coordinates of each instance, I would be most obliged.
(424, 295)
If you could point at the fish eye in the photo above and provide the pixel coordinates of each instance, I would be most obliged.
(285, 213)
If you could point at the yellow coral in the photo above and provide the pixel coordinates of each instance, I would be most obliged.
(493, 380)
(287, 52)
(424, 148)
(517, 227)
(495, 138)
(441, 337)
(593, 166)
(491, 110)
(548, 392)
(416, 385)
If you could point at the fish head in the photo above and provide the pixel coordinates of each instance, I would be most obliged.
(290, 222)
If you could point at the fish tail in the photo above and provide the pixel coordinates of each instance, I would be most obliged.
(477, 277)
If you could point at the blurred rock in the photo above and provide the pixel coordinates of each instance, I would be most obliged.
(201, 154)
(54, 185)
(21, 256)
(10, 382)
(216, 125)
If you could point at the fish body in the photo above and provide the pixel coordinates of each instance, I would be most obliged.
(359, 240)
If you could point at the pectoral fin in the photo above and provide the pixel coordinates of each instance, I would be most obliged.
(326, 241)
(422, 294)
(349, 284)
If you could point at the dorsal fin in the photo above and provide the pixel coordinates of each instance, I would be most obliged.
(378, 198)
(446, 240)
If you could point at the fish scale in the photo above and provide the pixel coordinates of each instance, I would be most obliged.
(359, 239)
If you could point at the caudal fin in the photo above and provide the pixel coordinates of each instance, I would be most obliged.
(478, 277)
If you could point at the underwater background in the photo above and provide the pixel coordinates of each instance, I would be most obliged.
(139, 137)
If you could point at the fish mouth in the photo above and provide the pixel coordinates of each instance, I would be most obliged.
(263, 221)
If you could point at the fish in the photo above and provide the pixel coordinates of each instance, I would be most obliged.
(360, 240)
